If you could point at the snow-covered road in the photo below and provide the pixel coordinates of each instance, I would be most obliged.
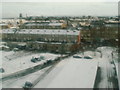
(108, 69)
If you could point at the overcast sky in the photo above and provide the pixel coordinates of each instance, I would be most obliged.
(59, 0)
(11, 8)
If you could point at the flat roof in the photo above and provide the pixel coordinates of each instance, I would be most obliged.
(43, 24)
(71, 73)
(41, 31)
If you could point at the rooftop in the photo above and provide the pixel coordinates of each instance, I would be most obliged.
(42, 24)
(41, 31)
(71, 73)
(3, 24)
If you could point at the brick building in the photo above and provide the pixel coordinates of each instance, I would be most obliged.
(58, 40)
(43, 25)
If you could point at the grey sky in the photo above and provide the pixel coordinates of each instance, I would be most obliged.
(12, 9)
(59, 0)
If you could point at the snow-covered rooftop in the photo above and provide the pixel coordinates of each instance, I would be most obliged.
(55, 24)
(71, 73)
(42, 24)
(42, 31)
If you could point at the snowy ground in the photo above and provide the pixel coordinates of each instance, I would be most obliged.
(19, 82)
(16, 61)
(69, 73)
(71, 65)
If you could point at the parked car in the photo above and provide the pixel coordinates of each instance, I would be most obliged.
(27, 85)
(77, 56)
(3, 47)
(48, 62)
(88, 57)
(15, 49)
(35, 59)
(2, 70)
(112, 62)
